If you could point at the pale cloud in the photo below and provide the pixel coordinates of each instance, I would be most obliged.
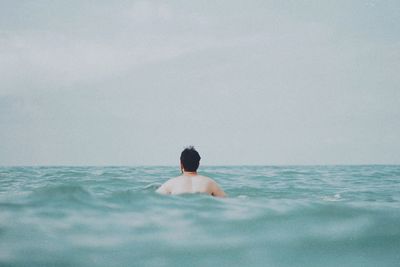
(263, 82)
(146, 11)
(49, 58)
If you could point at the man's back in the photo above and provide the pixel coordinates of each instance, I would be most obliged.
(191, 184)
(190, 181)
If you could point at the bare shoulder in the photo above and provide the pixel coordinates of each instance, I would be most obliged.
(212, 186)
(207, 179)
(166, 187)
(173, 181)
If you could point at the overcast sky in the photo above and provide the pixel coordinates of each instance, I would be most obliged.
(246, 82)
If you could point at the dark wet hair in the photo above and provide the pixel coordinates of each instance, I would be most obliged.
(190, 159)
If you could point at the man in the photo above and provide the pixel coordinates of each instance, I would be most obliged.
(190, 181)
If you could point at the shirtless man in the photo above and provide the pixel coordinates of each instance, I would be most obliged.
(190, 181)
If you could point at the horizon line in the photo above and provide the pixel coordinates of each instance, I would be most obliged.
(208, 165)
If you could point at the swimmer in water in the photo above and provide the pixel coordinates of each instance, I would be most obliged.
(190, 181)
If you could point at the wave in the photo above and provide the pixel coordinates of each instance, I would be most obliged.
(61, 194)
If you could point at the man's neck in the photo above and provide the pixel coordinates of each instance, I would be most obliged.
(185, 173)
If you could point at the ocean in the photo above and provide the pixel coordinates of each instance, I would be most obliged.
(273, 216)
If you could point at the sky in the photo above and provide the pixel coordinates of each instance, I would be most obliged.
(245, 82)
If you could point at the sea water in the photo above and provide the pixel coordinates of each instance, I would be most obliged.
(274, 216)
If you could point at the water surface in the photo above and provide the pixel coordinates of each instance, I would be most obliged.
(274, 216)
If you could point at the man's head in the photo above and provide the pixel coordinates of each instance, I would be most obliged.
(190, 159)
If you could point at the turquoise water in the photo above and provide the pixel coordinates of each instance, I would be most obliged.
(274, 216)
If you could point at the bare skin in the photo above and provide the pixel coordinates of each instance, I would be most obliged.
(191, 182)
